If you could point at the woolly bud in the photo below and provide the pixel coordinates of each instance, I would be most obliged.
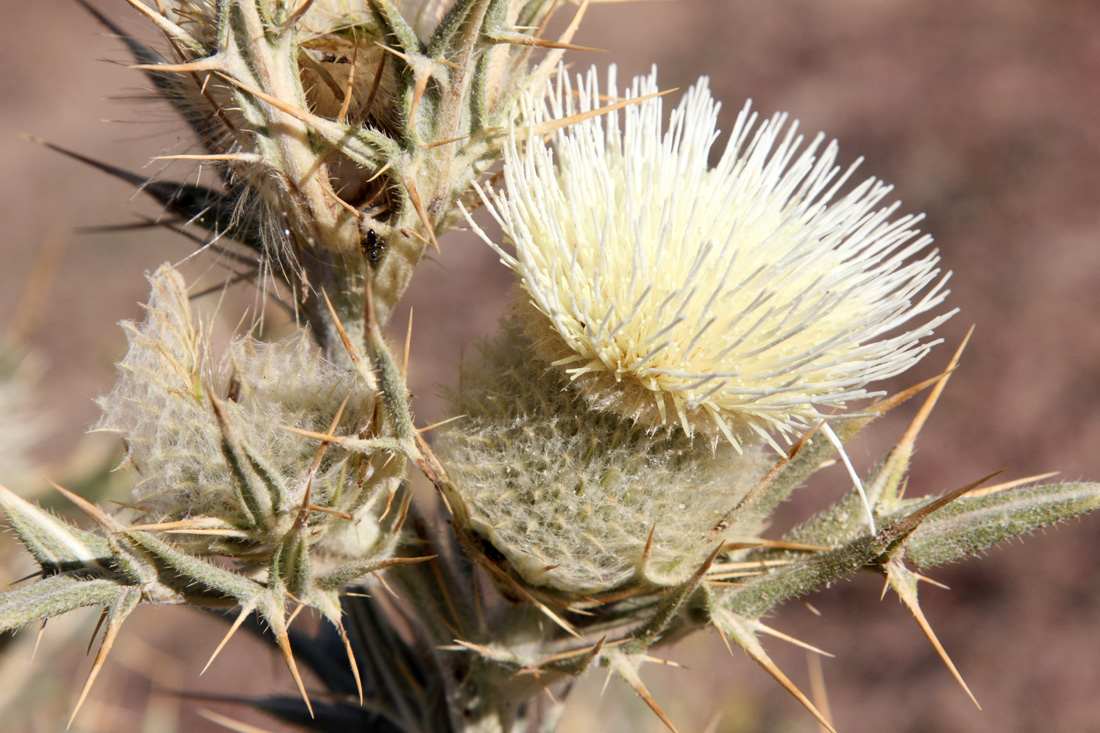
(569, 496)
(208, 438)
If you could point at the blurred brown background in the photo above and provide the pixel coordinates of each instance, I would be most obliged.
(984, 114)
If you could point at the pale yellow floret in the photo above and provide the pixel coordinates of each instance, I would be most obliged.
(735, 300)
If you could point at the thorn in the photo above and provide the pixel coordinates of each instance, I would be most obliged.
(930, 581)
(406, 505)
(907, 592)
(333, 512)
(345, 205)
(288, 655)
(389, 503)
(606, 680)
(169, 28)
(648, 545)
(998, 488)
(629, 674)
(297, 14)
(374, 84)
(761, 485)
(383, 169)
(592, 652)
(790, 639)
(352, 352)
(241, 157)
(448, 141)
(182, 524)
(98, 515)
(95, 631)
(351, 657)
(817, 686)
(303, 512)
(906, 525)
(523, 593)
(385, 585)
(230, 723)
(420, 87)
(245, 611)
(904, 449)
(546, 128)
(774, 544)
(662, 662)
(209, 64)
(415, 234)
(574, 24)
(351, 82)
(299, 114)
(38, 638)
(418, 205)
(408, 345)
(521, 40)
(109, 636)
(441, 423)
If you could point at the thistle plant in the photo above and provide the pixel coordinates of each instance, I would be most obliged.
(695, 332)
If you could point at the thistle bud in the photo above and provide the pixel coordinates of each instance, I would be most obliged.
(579, 500)
(208, 435)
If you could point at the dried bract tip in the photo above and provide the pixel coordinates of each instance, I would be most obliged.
(732, 300)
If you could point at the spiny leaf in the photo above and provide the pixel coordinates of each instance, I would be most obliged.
(396, 29)
(53, 596)
(972, 524)
(196, 570)
(55, 544)
(346, 574)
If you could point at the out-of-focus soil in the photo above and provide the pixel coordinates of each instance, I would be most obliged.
(985, 117)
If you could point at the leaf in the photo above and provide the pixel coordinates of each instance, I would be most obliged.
(55, 544)
(54, 596)
(973, 523)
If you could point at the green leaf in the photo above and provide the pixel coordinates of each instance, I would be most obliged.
(52, 597)
(196, 570)
(972, 524)
(55, 544)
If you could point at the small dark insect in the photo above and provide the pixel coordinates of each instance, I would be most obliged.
(373, 247)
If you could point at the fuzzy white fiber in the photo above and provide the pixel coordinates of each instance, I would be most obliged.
(570, 496)
(163, 407)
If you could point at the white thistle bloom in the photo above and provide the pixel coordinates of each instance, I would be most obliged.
(731, 300)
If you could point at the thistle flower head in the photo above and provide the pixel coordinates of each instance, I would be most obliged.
(732, 300)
